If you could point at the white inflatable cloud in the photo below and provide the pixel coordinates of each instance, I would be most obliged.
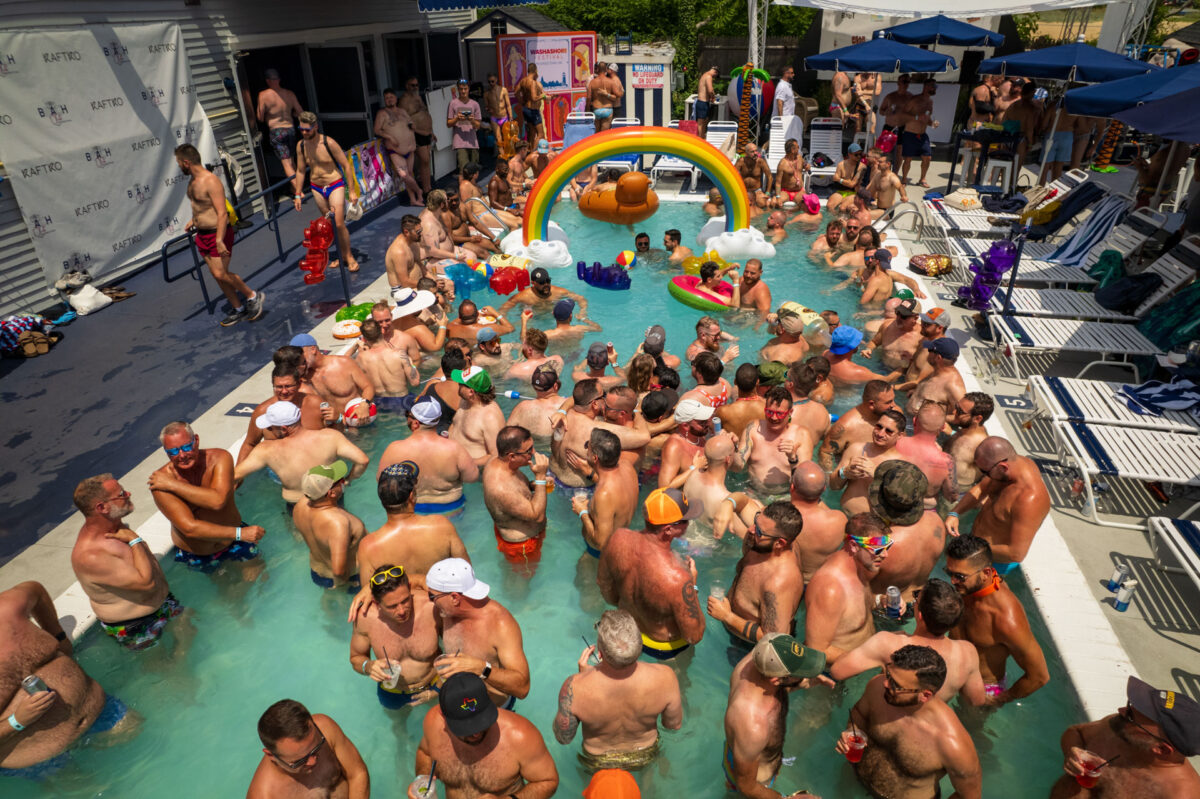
(741, 244)
(713, 227)
(515, 239)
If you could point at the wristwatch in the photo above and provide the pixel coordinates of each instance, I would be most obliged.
(487, 670)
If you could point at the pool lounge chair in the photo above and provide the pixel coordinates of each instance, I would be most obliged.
(1114, 344)
(1031, 272)
(578, 126)
(718, 135)
(953, 222)
(780, 133)
(623, 163)
(824, 136)
(1067, 399)
(671, 164)
(1182, 538)
(1129, 235)
(1153, 456)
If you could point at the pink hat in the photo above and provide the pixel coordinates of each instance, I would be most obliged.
(812, 203)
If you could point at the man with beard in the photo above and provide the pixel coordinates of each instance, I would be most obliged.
(123, 580)
(540, 295)
(285, 387)
(671, 243)
(773, 447)
(517, 505)
(306, 755)
(968, 418)
(709, 336)
(394, 127)
(614, 501)
(756, 294)
(859, 461)
(856, 425)
(912, 737)
(329, 164)
(455, 220)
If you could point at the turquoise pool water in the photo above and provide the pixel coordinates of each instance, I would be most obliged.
(247, 644)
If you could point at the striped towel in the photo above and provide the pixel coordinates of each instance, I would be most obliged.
(1153, 397)
(1098, 226)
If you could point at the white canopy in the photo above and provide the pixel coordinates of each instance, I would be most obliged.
(928, 8)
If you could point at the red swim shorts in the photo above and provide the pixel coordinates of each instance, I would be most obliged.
(206, 241)
(527, 551)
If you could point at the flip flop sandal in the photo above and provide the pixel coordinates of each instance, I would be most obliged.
(923, 184)
(41, 342)
(27, 344)
(354, 268)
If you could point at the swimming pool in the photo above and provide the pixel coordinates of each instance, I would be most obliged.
(280, 636)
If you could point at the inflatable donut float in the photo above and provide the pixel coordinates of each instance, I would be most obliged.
(684, 288)
(629, 201)
(347, 328)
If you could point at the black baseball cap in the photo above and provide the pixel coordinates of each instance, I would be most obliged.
(1176, 713)
(906, 309)
(466, 706)
(539, 275)
(945, 347)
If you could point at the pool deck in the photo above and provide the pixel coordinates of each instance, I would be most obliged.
(1155, 639)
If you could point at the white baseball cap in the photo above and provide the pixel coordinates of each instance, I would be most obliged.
(692, 410)
(455, 575)
(278, 414)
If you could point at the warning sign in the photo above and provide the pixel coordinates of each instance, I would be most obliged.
(648, 76)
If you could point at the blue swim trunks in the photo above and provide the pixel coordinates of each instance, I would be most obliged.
(394, 700)
(602, 113)
(327, 582)
(238, 550)
(110, 715)
(1006, 568)
(434, 508)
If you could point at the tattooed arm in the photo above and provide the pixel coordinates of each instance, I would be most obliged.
(565, 722)
(688, 614)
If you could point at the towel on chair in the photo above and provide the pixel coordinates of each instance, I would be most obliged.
(1154, 396)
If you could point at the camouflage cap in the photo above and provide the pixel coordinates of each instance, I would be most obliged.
(897, 493)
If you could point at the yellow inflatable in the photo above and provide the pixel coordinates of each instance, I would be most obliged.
(812, 327)
(692, 264)
(499, 260)
(628, 201)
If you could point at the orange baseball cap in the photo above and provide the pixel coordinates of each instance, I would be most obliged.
(612, 783)
(669, 505)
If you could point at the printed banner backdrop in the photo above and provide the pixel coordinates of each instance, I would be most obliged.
(564, 62)
(89, 120)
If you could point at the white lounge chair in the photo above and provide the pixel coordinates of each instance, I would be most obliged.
(623, 163)
(670, 164)
(1128, 236)
(718, 135)
(779, 134)
(1114, 343)
(987, 224)
(1031, 271)
(1182, 538)
(1067, 399)
(1155, 456)
(824, 136)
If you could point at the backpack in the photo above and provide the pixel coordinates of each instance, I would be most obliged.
(1125, 294)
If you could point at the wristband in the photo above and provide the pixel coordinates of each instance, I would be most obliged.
(364, 667)
(953, 513)
(842, 473)
(583, 513)
(560, 410)
(237, 536)
(16, 725)
(539, 482)
(297, 196)
(135, 541)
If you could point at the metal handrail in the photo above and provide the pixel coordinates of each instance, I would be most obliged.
(901, 210)
(489, 210)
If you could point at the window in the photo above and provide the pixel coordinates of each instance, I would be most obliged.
(445, 65)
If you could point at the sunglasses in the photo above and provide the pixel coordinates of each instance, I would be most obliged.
(383, 575)
(960, 577)
(122, 495)
(173, 451)
(298, 763)
(776, 414)
(1126, 714)
(758, 531)
(894, 686)
(303, 129)
(434, 596)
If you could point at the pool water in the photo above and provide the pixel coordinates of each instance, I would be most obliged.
(245, 644)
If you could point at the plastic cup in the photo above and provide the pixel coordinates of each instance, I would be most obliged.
(855, 745)
(393, 679)
(717, 592)
(1089, 778)
(417, 786)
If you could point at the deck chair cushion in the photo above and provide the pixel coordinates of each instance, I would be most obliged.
(1127, 293)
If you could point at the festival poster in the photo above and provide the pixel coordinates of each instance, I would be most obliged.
(512, 60)
(559, 106)
(583, 59)
(552, 54)
(579, 101)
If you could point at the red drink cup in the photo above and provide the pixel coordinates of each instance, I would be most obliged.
(855, 744)
(1088, 779)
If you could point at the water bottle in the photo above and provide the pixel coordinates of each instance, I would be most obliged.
(1125, 594)
(516, 396)
(1118, 576)
(893, 602)
(716, 420)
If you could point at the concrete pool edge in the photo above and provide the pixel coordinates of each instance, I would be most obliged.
(1092, 656)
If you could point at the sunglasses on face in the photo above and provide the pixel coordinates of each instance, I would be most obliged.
(894, 686)
(960, 577)
(770, 414)
(1126, 714)
(122, 495)
(306, 130)
(382, 576)
(298, 763)
(173, 451)
(758, 531)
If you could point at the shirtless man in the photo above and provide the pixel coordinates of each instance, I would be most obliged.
(968, 419)
(485, 636)
(856, 425)
(934, 324)
(458, 225)
(747, 406)
(893, 106)
(276, 107)
(877, 281)
(756, 716)
(422, 128)
(400, 629)
(841, 104)
(498, 107)
(444, 463)
(533, 358)
(194, 490)
(913, 737)
(517, 505)
(40, 727)
(434, 235)
(842, 370)
(705, 96)
(331, 532)
(619, 700)
(709, 337)
(479, 418)
(994, 621)
(640, 573)
(394, 127)
(407, 317)
(900, 340)
(124, 582)
(767, 587)
(306, 755)
(292, 450)
(534, 414)
(788, 345)
(573, 429)
(824, 528)
(480, 750)
(923, 451)
(517, 175)
(716, 203)
(693, 420)
(772, 448)
(614, 501)
(472, 319)
(532, 98)
(600, 99)
(390, 370)
(756, 176)
(599, 357)
(866, 87)
(1153, 735)
(671, 243)
(944, 385)
(285, 387)
(838, 600)
(827, 242)
(789, 175)
(918, 534)
(851, 171)
(704, 482)
(214, 235)
(859, 461)
(915, 141)
(328, 163)
(885, 185)
(541, 295)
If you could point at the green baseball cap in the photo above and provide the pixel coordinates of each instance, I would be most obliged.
(475, 378)
(897, 493)
(772, 373)
(780, 655)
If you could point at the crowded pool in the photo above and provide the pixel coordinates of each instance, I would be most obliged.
(252, 638)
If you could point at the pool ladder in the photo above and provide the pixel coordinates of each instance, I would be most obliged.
(487, 209)
(899, 211)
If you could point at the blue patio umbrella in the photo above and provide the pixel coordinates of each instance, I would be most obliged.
(1074, 62)
(1106, 99)
(1176, 118)
(941, 29)
(881, 55)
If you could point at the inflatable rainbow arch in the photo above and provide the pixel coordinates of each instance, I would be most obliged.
(630, 141)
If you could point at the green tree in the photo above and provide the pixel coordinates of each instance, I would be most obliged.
(1027, 26)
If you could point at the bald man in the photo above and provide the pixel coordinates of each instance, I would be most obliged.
(1012, 499)
(824, 528)
(923, 450)
(707, 484)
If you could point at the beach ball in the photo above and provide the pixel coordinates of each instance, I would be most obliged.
(483, 268)
(762, 95)
(627, 259)
(359, 413)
